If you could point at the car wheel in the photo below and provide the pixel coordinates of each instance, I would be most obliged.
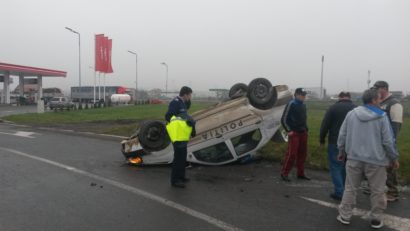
(153, 135)
(238, 90)
(261, 94)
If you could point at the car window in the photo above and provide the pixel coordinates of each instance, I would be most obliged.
(55, 99)
(214, 154)
(246, 142)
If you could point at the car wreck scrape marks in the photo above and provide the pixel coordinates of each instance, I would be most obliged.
(393, 222)
(21, 134)
(211, 220)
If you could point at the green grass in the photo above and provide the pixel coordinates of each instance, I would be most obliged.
(122, 121)
(124, 113)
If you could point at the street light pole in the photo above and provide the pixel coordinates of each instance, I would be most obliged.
(321, 79)
(136, 73)
(166, 78)
(79, 59)
(368, 79)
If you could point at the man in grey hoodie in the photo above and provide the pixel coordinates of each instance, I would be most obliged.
(366, 140)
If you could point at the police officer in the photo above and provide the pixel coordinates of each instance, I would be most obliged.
(180, 128)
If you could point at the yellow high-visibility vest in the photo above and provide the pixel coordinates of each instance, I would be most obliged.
(178, 129)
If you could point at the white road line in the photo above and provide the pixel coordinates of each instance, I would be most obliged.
(20, 134)
(394, 222)
(211, 220)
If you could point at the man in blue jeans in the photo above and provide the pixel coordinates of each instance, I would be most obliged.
(331, 124)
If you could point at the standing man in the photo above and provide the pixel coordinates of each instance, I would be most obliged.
(180, 127)
(294, 121)
(394, 110)
(331, 123)
(366, 138)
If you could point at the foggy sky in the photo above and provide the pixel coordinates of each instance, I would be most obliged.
(214, 43)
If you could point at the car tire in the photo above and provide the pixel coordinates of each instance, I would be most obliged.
(261, 94)
(238, 90)
(153, 135)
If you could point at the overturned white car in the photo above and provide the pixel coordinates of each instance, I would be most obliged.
(226, 132)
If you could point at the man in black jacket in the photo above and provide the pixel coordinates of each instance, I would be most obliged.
(294, 122)
(331, 124)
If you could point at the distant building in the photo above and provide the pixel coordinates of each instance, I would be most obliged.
(86, 93)
(314, 93)
(30, 92)
(221, 94)
(398, 94)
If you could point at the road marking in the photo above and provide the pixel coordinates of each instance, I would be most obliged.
(394, 222)
(312, 184)
(211, 220)
(21, 134)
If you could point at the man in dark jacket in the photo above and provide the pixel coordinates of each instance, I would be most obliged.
(294, 121)
(394, 110)
(179, 107)
(331, 124)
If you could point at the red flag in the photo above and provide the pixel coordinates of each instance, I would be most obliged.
(99, 53)
(108, 63)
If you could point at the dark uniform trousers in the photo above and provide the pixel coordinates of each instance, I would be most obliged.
(179, 162)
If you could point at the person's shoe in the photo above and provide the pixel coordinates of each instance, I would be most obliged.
(285, 178)
(178, 184)
(376, 224)
(391, 198)
(335, 197)
(342, 220)
(303, 177)
(185, 180)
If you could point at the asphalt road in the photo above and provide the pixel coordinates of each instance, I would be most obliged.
(57, 181)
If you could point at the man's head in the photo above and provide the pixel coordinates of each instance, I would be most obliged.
(372, 97)
(383, 88)
(300, 94)
(185, 93)
(344, 95)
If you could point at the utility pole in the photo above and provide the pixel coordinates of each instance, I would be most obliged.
(368, 79)
(321, 79)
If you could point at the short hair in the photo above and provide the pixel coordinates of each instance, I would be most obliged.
(370, 95)
(381, 84)
(185, 91)
(344, 94)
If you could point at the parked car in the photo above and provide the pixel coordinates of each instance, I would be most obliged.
(60, 103)
(226, 132)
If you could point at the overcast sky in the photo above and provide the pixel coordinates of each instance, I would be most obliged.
(214, 43)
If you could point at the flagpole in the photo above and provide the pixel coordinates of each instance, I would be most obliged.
(95, 77)
(95, 65)
(104, 88)
(99, 86)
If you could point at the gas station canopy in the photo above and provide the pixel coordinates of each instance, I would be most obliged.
(18, 70)
(8, 70)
